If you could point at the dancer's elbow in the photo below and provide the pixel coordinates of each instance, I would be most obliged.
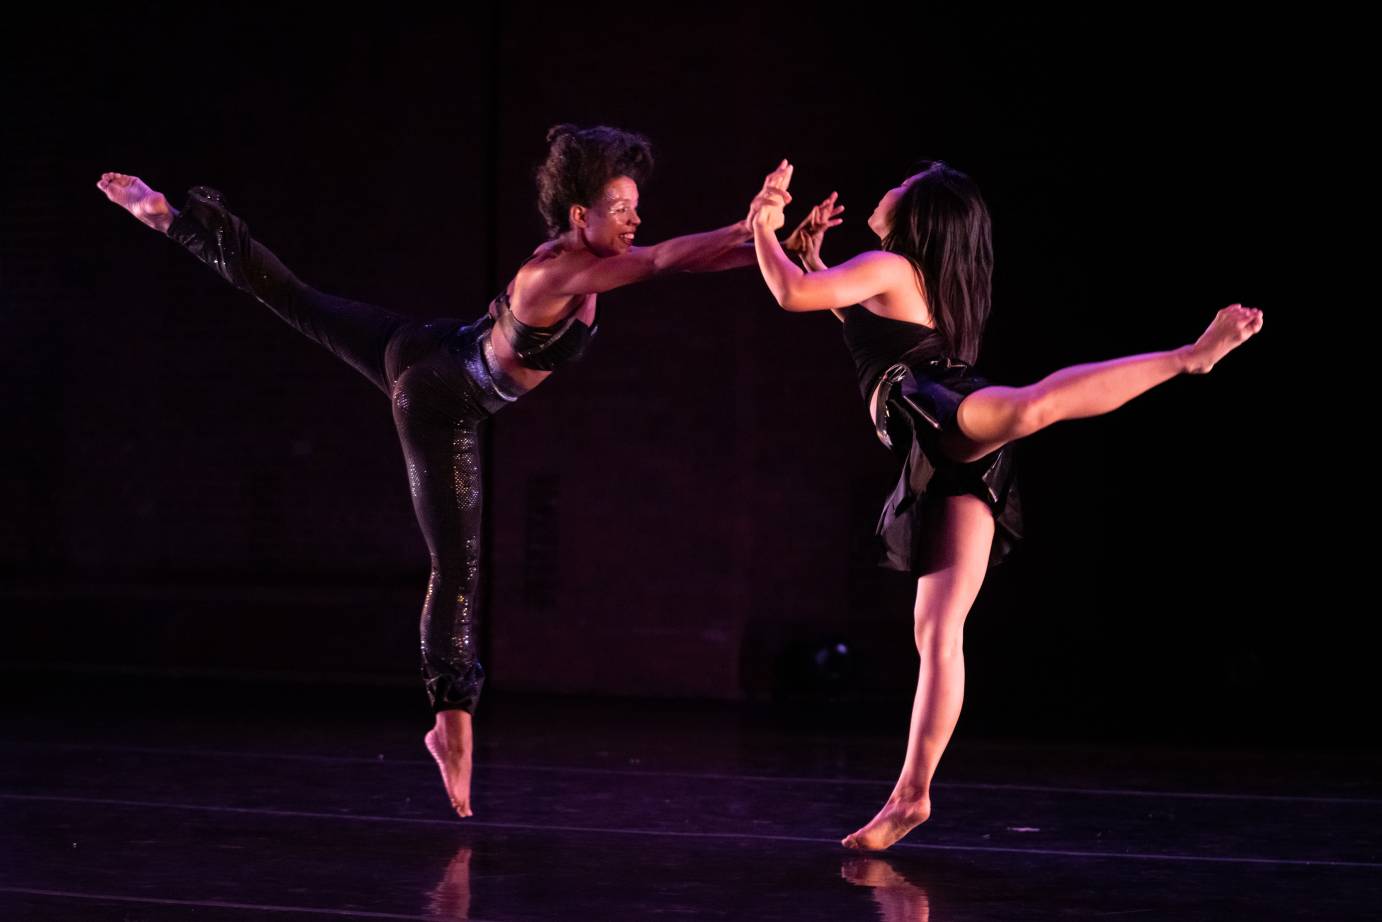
(660, 260)
(796, 301)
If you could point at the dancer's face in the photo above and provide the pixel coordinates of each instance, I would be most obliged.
(881, 221)
(608, 224)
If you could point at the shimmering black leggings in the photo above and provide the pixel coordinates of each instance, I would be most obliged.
(435, 374)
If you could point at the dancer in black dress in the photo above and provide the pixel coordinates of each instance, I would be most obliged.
(914, 314)
(445, 376)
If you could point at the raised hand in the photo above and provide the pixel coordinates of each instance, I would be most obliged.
(805, 241)
(766, 208)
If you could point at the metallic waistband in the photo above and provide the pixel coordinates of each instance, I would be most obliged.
(472, 348)
(505, 386)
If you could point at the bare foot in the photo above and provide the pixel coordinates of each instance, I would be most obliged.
(898, 817)
(451, 744)
(131, 194)
(1230, 329)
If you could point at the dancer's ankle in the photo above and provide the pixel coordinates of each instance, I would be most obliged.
(161, 222)
(910, 794)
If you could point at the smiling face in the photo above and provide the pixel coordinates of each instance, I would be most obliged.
(608, 225)
(881, 221)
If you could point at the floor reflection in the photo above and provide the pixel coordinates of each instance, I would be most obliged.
(898, 898)
(450, 898)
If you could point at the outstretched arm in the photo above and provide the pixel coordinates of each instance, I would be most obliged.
(692, 252)
(735, 257)
(744, 254)
(865, 276)
(804, 243)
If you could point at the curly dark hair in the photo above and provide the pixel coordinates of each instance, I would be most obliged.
(581, 162)
(942, 225)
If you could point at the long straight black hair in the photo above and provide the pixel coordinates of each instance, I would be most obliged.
(941, 224)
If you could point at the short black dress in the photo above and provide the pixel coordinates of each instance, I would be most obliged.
(920, 388)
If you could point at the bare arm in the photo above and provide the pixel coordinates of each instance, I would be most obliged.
(861, 278)
(865, 276)
(735, 257)
(593, 274)
(804, 243)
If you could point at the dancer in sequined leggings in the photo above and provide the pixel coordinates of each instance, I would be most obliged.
(445, 377)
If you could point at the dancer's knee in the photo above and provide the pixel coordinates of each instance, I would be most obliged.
(453, 574)
(1034, 410)
(996, 415)
(937, 636)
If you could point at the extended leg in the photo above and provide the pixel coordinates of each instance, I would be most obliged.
(356, 332)
(993, 416)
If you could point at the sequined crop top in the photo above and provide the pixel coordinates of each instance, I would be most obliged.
(542, 348)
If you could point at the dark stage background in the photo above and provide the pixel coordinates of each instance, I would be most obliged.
(190, 488)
